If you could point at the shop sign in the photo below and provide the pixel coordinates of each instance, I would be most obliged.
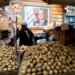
(16, 8)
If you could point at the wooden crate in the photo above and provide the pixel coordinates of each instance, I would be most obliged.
(9, 73)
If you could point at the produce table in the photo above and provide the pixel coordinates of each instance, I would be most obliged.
(9, 73)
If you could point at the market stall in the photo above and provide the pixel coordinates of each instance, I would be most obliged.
(51, 57)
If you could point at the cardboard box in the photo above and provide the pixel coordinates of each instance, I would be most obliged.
(4, 26)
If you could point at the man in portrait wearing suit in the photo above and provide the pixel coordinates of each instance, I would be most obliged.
(42, 18)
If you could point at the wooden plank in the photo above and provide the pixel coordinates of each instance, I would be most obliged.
(9, 73)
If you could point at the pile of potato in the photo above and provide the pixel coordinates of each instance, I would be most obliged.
(47, 59)
(7, 59)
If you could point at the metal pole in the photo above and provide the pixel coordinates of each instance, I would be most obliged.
(15, 39)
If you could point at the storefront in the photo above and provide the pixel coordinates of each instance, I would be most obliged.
(39, 15)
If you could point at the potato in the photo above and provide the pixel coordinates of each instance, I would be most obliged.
(29, 70)
(34, 70)
(45, 72)
(14, 68)
(48, 68)
(55, 71)
(70, 70)
(13, 63)
(39, 73)
(39, 65)
(52, 67)
(44, 67)
(57, 67)
(9, 69)
(34, 74)
(50, 72)
(6, 59)
(28, 74)
(49, 63)
(5, 69)
(73, 70)
(9, 66)
(31, 65)
(46, 59)
(7, 63)
(34, 62)
(64, 70)
(59, 63)
(38, 60)
(0, 58)
(60, 71)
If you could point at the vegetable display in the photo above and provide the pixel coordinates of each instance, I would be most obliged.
(7, 61)
(47, 59)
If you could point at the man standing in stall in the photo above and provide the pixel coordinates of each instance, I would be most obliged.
(25, 35)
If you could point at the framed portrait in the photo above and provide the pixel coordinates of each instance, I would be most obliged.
(36, 16)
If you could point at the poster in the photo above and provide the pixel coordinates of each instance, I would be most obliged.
(36, 16)
(16, 10)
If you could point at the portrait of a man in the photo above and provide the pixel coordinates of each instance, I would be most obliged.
(36, 16)
(41, 18)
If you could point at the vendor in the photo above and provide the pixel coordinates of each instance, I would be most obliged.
(25, 35)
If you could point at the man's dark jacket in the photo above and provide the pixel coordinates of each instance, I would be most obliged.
(23, 38)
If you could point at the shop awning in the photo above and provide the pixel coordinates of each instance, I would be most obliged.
(66, 2)
(4, 3)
